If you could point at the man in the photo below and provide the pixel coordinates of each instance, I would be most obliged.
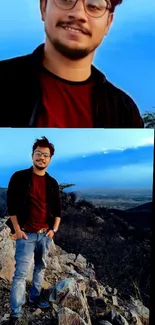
(57, 85)
(34, 208)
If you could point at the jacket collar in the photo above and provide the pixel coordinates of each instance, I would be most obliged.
(36, 61)
(30, 170)
(97, 98)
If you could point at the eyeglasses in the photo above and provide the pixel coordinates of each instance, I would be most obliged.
(39, 154)
(94, 8)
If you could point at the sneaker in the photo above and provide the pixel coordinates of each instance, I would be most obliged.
(39, 302)
(14, 321)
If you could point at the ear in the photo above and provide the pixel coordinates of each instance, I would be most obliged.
(109, 22)
(43, 4)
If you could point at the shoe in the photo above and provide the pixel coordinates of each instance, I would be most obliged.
(14, 321)
(39, 302)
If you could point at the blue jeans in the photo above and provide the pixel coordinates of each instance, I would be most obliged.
(37, 244)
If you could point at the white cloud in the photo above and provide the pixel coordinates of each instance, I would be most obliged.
(147, 141)
(120, 149)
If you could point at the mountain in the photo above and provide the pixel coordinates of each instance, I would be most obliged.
(140, 216)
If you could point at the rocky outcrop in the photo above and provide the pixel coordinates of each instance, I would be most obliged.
(120, 250)
(75, 295)
(7, 247)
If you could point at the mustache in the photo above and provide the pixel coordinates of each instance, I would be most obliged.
(38, 160)
(74, 23)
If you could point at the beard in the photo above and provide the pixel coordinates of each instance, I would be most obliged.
(39, 167)
(68, 52)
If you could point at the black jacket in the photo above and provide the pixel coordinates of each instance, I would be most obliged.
(21, 96)
(18, 200)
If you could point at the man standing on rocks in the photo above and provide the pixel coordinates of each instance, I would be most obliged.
(34, 207)
(57, 85)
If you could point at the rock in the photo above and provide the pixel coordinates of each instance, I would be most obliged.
(90, 273)
(38, 311)
(67, 293)
(91, 293)
(54, 264)
(7, 247)
(53, 249)
(94, 284)
(100, 302)
(67, 258)
(80, 263)
(81, 259)
(5, 318)
(100, 307)
(135, 318)
(115, 318)
(108, 291)
(140, 310)
(114, 300)
(76, 275)
(68, 317)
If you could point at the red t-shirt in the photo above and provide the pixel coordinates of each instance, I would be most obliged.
(66, 104)
(37, 218)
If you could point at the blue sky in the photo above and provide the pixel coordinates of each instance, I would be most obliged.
(127, 55)
(85, 157)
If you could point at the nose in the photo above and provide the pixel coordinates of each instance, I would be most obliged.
(78, 11)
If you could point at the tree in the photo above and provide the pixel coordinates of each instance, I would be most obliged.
(149, 119)
(63, 186)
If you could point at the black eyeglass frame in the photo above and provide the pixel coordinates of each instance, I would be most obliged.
(39, 153)
(109, 7)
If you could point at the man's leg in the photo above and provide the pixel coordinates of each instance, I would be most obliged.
(24, 252)
(40, 257)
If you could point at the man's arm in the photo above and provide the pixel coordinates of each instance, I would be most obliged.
(12, 205)
(18, 232)
(57, 213)
(56, 223)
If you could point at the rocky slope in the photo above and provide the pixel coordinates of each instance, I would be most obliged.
(120, 251)
(76, 296)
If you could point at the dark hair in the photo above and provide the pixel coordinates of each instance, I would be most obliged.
(115, 3)
(43, 142)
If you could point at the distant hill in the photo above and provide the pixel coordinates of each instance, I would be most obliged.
(146, 207)
(121, 199)
(140, 216)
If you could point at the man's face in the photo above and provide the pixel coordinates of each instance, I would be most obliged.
(41, 157)
(72, 44)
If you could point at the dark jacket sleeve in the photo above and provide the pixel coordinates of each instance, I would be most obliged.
(132, 116)
(121, 110)
(12, 201)
(136, 117)
(57, 202)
